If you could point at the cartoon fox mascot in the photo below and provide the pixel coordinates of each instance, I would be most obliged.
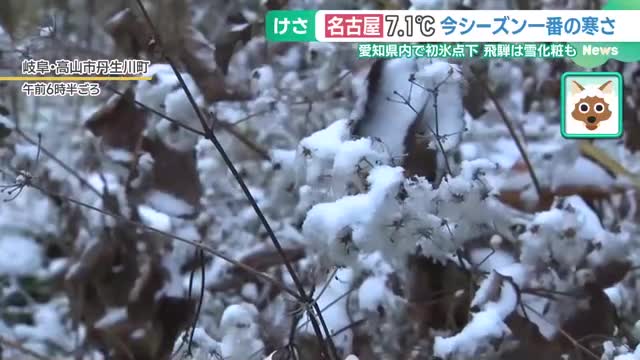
(591, 107)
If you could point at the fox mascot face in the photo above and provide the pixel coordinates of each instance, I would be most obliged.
(591, 107)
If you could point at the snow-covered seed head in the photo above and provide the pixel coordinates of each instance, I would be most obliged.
(496, 241)
(585, 276)
(238, 316)
(318, 53)
(23, 177)
(262, 79)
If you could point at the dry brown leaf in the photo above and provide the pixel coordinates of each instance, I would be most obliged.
(129, 32)
(175, 172)
(266, 258)
(119, 123)
(611, 273)
(420, 160)
(238, 34)
(532, 345)
(111, 273)
(586, 330)
(517, 200)
(198, 56)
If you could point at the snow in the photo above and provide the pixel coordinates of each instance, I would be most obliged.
(5, 122)
(47, 326)
(119, 155)
(351, 153)
(112, 317)
(428, 4)
(574, 217)
(333, 305)
(19, 255)
(485, 324)
(582, 173)
(322, 146)
(285, 158)
(333, 188)
(205, 341)
(240, 340)
(372, 293)
(138, 334)
(324, 142)
(634, 356)
(616, 295)
(326, 220)
(489, 322)
(262, 79)
(491, 259)
(154, 219)
(104, 181)
(27, 151)
(169, 204)
(177, 104)
(153, 94)
(387, 119)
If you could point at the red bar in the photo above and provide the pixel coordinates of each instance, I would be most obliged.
(353, 26)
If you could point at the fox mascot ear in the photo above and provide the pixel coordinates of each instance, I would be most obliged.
(607, 87)
(576, 87)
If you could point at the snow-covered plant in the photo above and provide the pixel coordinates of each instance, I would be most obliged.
(421, 208)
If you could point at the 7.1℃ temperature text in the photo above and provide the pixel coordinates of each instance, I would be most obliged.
(408, 25)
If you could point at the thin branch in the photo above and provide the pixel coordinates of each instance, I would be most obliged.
(200, 301)
(300, 326)
(156, 112)
(407, 101)
(264, 154)
(509, 124)
(210, 135)
(55, 159)
(568, 336)
(353, 324)
(142, 226)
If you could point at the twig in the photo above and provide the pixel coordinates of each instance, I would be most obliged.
(210, 135)
(508, 123)
(300, 326)
(142, 226)
(568, 336)
(264, 154)
(200, 301)
(231, 129)
(349, 326)
(62, 164)
(156, 112)
(407, 101)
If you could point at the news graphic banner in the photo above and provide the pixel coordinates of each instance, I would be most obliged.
(589, 37)
(74, 77)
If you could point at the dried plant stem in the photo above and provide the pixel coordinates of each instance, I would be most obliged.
(264, 154)
(205, 248)
(210, 135)
(62, 164)
(512, 132)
